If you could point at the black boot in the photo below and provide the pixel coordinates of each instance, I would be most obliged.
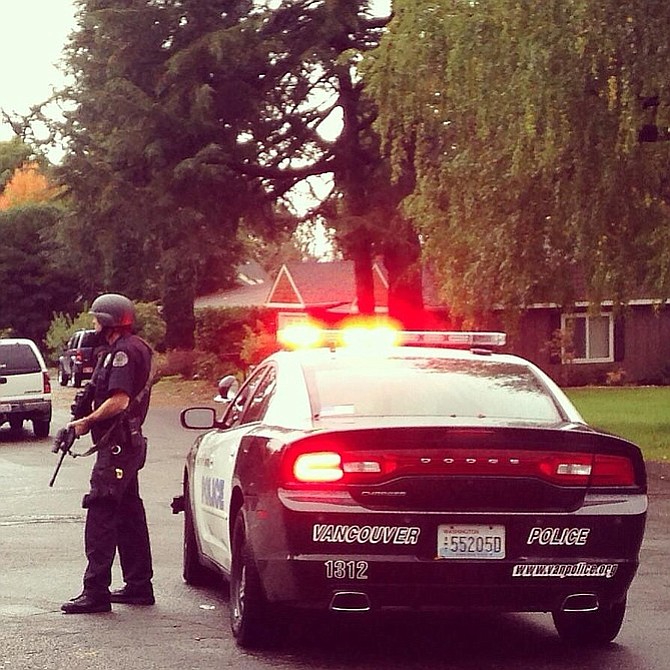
(86, 604)
(130, 595)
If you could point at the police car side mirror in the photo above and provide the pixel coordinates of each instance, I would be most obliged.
(228, 388)
(198, 418)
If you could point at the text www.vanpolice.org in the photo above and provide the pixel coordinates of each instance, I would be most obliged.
(606, 570)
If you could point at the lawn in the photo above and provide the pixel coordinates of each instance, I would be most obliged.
(640, 414)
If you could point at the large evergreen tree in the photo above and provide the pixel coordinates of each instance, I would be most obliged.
(194, 117)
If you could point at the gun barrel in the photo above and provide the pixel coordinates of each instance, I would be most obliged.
(56, 471)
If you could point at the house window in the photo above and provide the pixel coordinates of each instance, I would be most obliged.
(589, 339)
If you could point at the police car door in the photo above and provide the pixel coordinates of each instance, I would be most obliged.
(240, 418)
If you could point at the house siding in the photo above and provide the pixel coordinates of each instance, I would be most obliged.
(642, 348)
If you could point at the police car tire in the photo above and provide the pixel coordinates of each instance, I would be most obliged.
(193, 571)
(590, 628)
(249, 608)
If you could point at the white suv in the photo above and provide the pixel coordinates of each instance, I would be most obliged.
(25, 388)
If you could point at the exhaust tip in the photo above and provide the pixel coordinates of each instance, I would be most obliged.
(349, 601)
(580, 602)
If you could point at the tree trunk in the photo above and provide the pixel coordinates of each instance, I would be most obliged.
(178, 298)
(402, 260)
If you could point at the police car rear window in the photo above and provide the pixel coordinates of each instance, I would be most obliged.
(424, 387)
(17, 359)
(88, 339)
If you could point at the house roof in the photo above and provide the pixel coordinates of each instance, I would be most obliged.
(253, 284)
(314, 284)
(308, 285)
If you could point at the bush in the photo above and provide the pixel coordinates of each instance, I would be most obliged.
(189, 364)
(228, 334)
(258, 343)
(60, 331)
(149, 325)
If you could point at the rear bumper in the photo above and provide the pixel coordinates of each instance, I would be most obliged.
(305, 559)
(25, 410)
(387, 584)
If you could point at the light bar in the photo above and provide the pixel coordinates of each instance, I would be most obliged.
(308, 334)
(452, 339)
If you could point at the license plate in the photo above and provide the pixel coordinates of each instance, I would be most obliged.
(467, 541)
(5, 408)
(87, 370)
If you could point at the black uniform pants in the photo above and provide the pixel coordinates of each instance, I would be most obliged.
(116, 521)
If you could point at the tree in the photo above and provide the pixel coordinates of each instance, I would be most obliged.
(12, 155)
(28, 184)
(521, 122)
(34, 287)
(318, 47)
(194, 117)
(163, 93)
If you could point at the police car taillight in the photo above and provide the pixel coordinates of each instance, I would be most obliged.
(581, 469)
(611, 470)
(46, 383)
(316, 467)
(321, 466)
(326, 463)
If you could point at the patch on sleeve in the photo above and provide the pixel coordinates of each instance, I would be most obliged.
(120, 359)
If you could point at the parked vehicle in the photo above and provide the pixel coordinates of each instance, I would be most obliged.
(437, 474)
(25, 388)
(77, 362)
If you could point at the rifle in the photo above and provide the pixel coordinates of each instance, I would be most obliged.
(65, 437)
(63, 442)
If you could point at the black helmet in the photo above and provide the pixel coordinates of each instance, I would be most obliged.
(113, 310)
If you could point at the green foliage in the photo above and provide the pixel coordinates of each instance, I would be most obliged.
(194, 365)
(61, 329)
(33, 284)
(224, 332)
(520, 121)
(259, 342)
(12, 155)
(149, 324)
(192, 118)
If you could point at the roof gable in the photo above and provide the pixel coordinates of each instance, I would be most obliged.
(322, 284)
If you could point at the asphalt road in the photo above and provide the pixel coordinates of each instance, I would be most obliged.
(42, 562)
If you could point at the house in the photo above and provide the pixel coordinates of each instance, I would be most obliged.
(323, 290)
(602, 346)
(575, 347)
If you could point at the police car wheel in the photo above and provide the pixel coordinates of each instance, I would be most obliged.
(193, 571)
(590, 628)
(248, 606)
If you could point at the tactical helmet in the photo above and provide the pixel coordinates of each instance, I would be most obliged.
(113, 310)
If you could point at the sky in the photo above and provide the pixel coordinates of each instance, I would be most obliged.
(32, 36)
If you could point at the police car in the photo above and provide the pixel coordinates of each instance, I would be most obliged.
(366, 473)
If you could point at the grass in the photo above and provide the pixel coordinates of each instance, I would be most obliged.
(640, 414)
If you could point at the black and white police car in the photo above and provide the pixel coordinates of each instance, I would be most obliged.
(436, 474)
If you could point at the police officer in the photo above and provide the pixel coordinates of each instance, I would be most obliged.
(115, 517)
